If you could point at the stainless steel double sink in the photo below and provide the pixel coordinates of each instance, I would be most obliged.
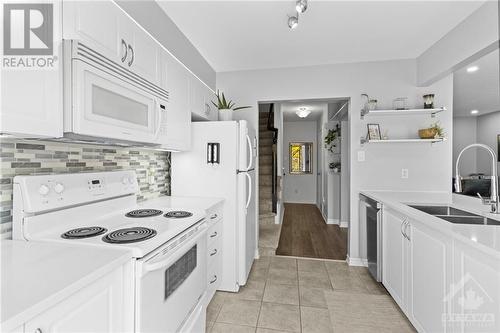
(455, 215)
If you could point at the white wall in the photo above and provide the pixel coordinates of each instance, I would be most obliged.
(464, 134)
(150, 15)
(467, 130)
(488, 127)
(474, 37)
(429, 165)
(299, 188)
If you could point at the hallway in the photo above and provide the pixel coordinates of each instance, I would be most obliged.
(305, 234)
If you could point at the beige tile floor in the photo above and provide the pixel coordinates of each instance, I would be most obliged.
(299, 295)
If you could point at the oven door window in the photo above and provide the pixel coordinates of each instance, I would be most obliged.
(179, 271)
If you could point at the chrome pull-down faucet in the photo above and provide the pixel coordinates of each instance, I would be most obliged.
(494, 200)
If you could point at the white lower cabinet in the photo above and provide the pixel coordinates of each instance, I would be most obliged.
(416, 270)
(475, 297)
(103, 306)
(395, 253)
(429, 279)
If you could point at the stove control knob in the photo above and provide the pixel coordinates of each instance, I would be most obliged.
(44, 190)
(131, 180)
(59, 188)
(125, 180)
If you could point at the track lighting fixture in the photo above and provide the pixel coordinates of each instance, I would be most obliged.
(300, 7)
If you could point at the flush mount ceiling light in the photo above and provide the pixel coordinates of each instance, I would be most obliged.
(293, 22)
(303, 112)
(472, 69)
(301, 6)
(474, 111)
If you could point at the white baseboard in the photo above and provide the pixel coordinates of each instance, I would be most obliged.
(332, 221)
(344, 224)
(357, 262)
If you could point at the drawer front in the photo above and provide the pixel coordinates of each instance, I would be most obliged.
(214, 275)
(214, 213)
(214, 233)
(214, 252)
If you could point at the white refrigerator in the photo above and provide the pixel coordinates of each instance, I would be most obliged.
(221, 163)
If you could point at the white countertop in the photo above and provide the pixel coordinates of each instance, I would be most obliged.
(38, 275)
(484, 237)
(183, 202)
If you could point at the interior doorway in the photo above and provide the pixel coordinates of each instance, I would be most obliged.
(303, 165)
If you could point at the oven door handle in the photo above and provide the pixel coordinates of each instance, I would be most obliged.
(164, 260)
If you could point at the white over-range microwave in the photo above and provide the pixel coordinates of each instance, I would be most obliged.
(105, 102)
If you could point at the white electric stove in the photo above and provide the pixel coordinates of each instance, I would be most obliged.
(168, 244)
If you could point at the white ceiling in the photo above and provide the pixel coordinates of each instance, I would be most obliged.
(240, 35)
(289, 110)
(479, 90)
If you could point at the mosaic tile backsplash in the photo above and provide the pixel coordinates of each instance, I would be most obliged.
(28, 157)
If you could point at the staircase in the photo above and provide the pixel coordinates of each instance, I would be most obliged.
(268, 230)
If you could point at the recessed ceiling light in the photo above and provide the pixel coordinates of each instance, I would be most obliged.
(472, 69)
(303, 112)
(474, 112)
(293, 22)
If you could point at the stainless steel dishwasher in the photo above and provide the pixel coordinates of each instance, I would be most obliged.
(372, 211)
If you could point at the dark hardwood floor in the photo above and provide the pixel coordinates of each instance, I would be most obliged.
(305, 234)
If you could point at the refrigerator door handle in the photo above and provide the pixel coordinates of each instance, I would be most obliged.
(250, 152)
(249, 190)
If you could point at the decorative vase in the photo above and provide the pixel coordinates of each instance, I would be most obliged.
(226, 114)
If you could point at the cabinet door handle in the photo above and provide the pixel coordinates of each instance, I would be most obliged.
(404, 224)
(213, 253)
(124, 50)
(131, 61)
(207, 109)
(215, 279)
(213, 216)
(214, 234)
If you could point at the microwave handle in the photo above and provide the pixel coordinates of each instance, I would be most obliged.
(158, 117)
(168, 258)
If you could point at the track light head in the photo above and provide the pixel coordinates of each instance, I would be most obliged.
(301, 6)
(293, 22)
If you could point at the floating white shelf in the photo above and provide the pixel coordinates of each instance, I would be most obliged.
(363, 141)
(432, 112)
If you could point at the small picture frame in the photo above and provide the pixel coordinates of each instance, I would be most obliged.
(374, 132)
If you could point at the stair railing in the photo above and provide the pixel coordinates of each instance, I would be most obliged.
(274, 178)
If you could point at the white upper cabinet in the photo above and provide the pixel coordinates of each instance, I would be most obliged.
(210, 109)
(200, 100)
(31, 99)
(176, 79)
(96, 23)
(105, 28)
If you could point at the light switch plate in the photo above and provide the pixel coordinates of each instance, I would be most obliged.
(361, 155)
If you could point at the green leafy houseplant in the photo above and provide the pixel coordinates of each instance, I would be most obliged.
(330, 138)
(334, 165)
(223, 104)
(438, 129)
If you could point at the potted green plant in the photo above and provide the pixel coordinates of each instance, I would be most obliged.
(335, 167)
(226, 107)
(330, 138)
